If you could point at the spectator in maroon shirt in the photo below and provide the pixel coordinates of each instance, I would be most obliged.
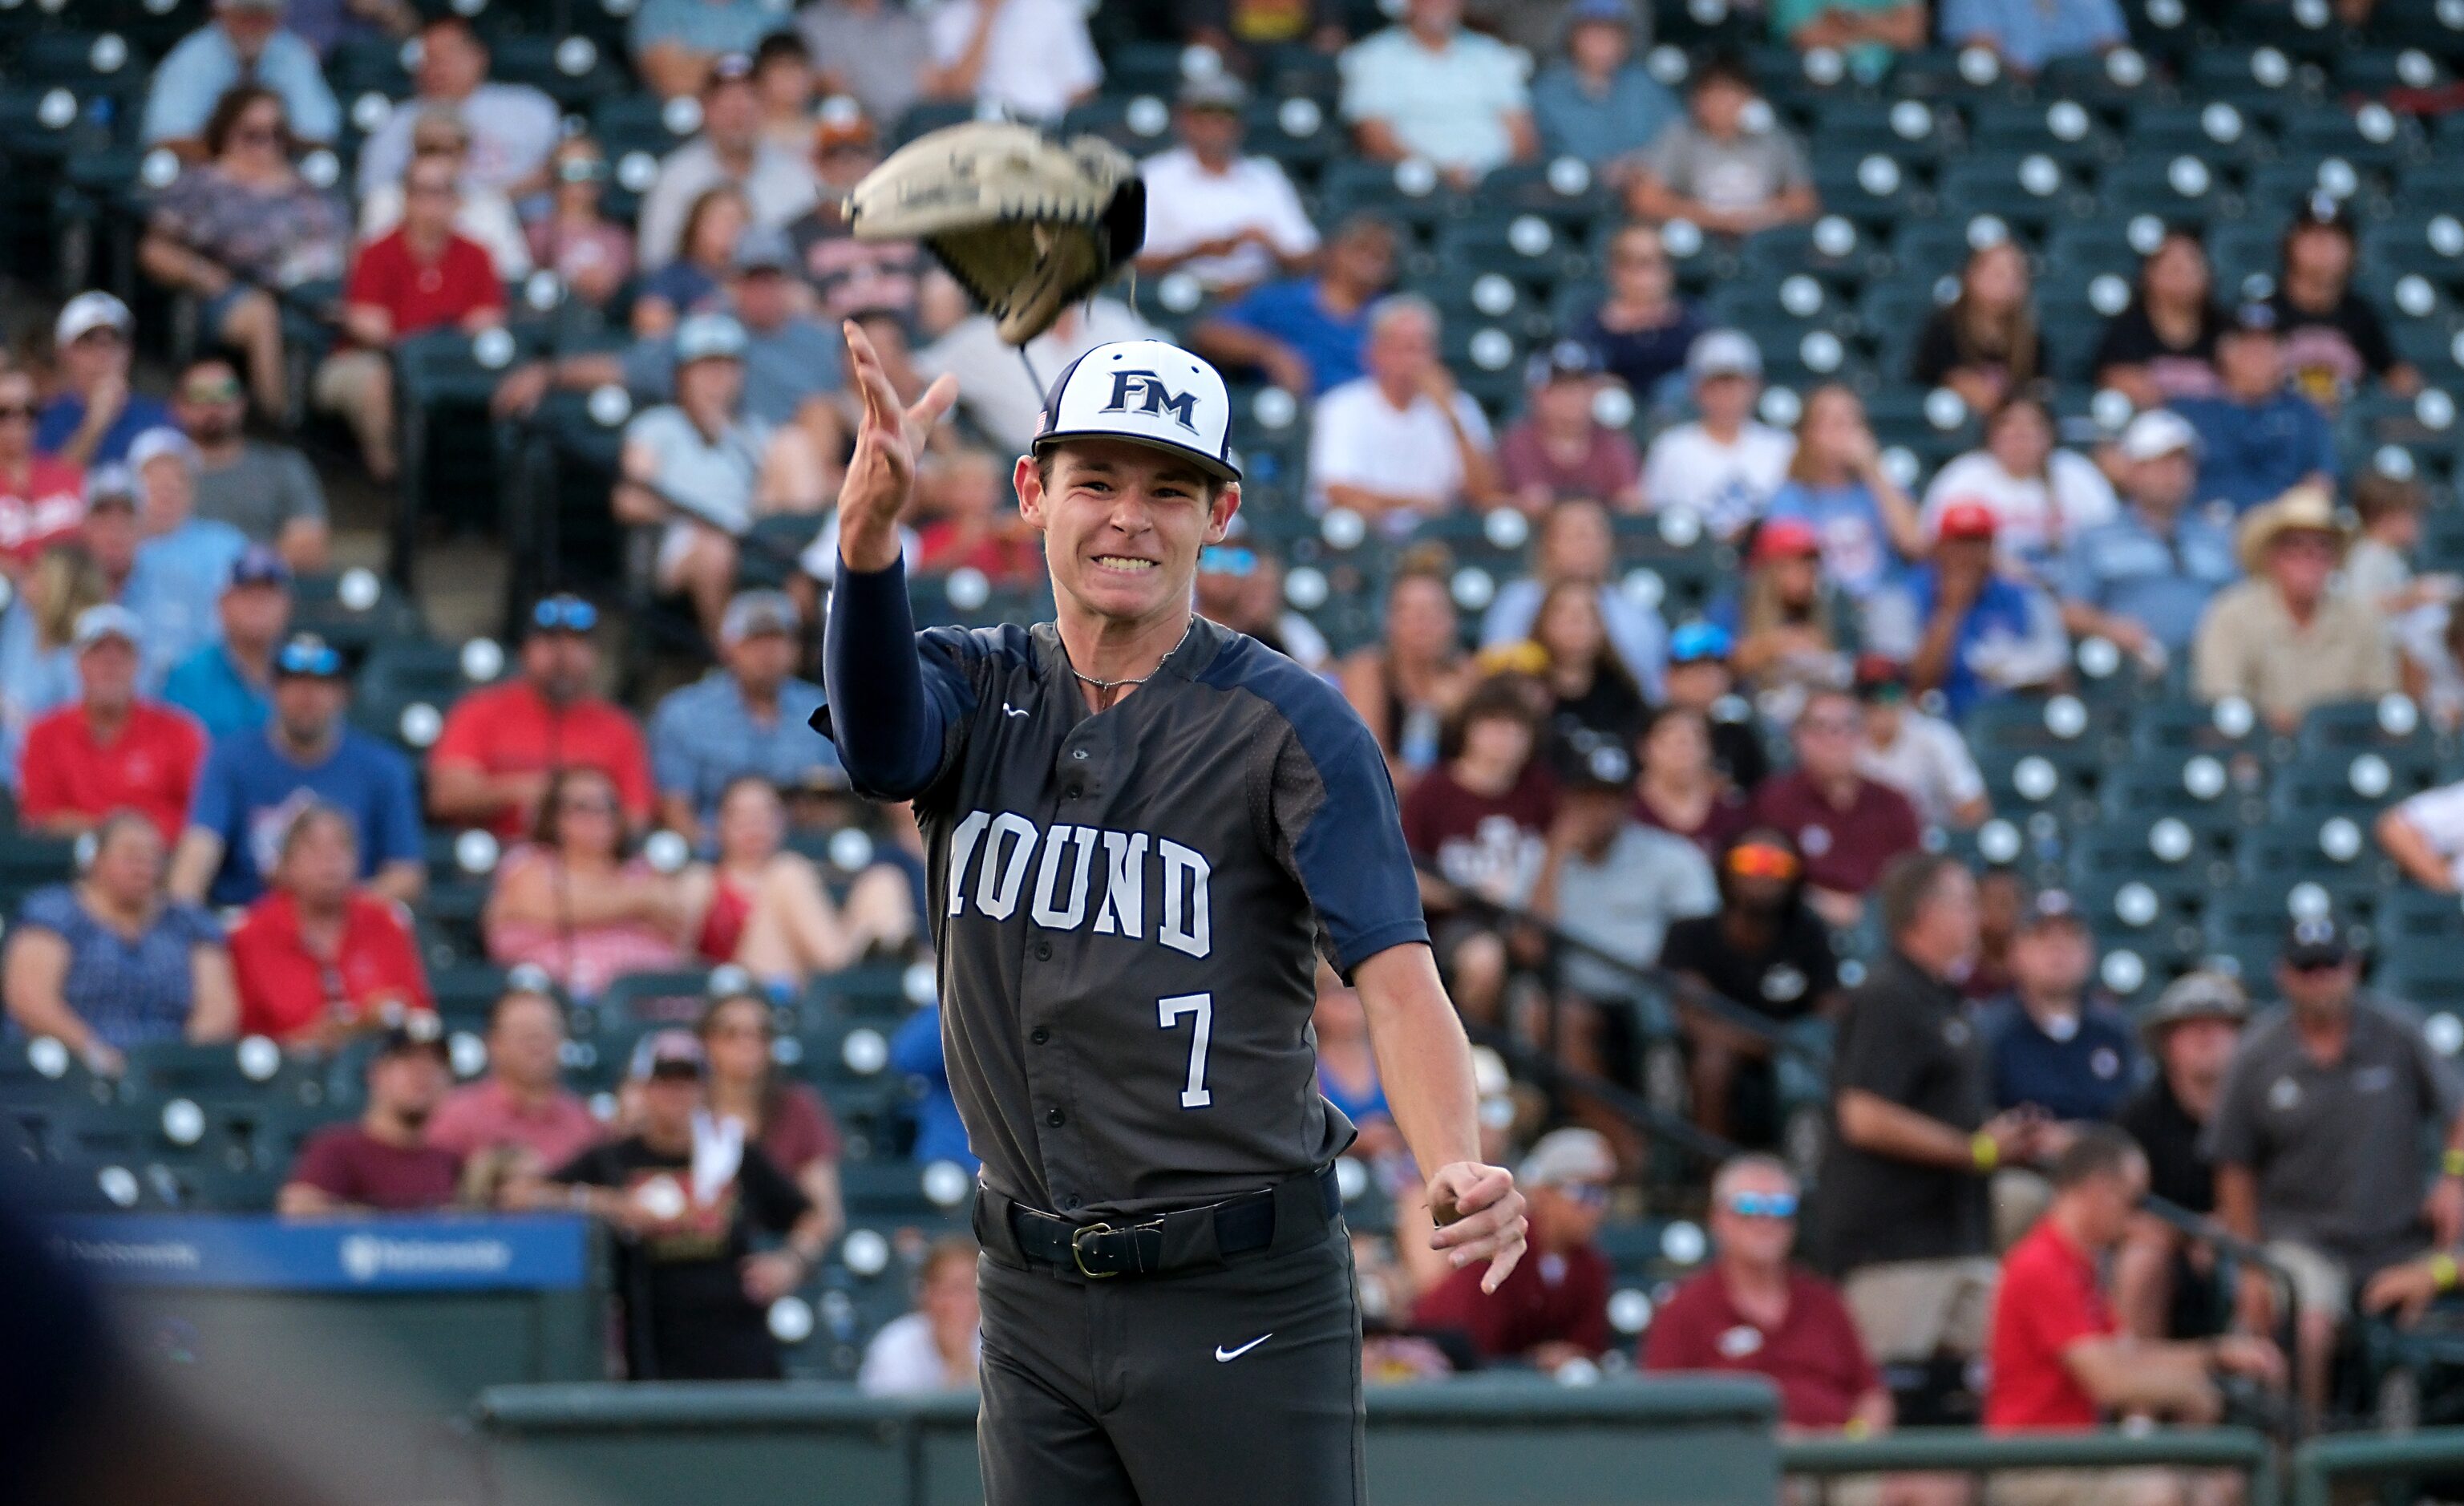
(1754, 1312)
(1557, 451)
(1480, 819)
(1847, 826)
(1555, 1308)
(419, 276)
(381, 1162)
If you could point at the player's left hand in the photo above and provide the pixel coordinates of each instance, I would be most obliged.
(1478, 1214)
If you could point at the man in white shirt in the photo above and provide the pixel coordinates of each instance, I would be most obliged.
(1225, 219)
(1428, 88)
(996, 387)
(1402, 442)
(2425, 835)
(777, 184)
(1724, 467)
(1031, 58)
(512, 127)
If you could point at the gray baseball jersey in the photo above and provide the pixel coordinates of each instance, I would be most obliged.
(1128, 905)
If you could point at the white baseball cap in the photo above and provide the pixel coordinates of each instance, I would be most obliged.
(2157, 432)
(88, 312)
(157, 442)
(1150, 393)
(1722, 353)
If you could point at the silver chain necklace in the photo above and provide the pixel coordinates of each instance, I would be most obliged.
(1107, 686)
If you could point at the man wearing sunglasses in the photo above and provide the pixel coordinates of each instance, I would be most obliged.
(1753, 1312)
(269, 492)
(254, 783)
(491, 763)
(1555, 1308)
(2316, 1142)
(94, 417)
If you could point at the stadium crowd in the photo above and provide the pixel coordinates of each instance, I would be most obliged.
(1785, 860)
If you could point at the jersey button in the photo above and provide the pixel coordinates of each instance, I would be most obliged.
(1070, 1202)
(1071, 793)
(1038, 1035)
(1080, 754)
(1055, 1118)
(1043, 951)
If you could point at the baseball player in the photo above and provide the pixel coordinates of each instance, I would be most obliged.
(1143, 828)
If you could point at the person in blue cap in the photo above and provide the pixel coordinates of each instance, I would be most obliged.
(1699, 679)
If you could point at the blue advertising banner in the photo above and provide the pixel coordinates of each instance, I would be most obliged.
(477, 1253)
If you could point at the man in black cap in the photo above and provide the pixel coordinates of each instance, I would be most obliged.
(382, 1160)
(2051, 1041)
(2316, 1142)
(685, 1194)
(2257, 437)
(2163, 1288)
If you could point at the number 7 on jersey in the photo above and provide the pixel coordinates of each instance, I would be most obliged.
(1168, 1013)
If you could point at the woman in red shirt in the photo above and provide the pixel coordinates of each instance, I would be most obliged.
(41, 499)
(767, 911)
(317, 959)
(786, 1118)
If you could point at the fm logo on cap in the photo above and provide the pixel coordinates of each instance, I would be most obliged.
(1150, 395)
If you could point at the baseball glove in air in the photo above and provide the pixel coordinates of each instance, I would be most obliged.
(1026, 222)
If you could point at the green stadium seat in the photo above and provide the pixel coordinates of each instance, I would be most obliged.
(2061, 129)
(2029, 189)
(2252, 77)
(1296, 132)
(2182, 184)
(166, 1070)
(675, 997)
(2374, 136)
(574, 70)
(1139, 124)
(34, 1073)
(2331, 849)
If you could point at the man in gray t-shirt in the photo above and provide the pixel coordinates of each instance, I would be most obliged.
(875, 50)
(2317, 1141)
(1613, 883)
(1715, 172)
(267, 492)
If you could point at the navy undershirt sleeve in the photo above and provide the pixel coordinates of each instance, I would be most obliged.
(889, 729)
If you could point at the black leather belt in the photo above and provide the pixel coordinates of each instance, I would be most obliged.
(1284, 1216)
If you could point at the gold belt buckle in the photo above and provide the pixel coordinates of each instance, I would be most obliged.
(1078, 1251)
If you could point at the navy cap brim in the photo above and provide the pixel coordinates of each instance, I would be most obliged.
(1215, 466)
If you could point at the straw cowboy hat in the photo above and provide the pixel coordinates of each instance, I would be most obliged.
(2304, 509)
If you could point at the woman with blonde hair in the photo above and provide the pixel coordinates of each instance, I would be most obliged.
(1788, 632)
(38, 669)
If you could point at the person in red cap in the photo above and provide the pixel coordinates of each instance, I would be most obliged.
(1789, 624)
(1963, 628)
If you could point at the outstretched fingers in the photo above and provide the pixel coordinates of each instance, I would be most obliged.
(933, 406)
(881, 405)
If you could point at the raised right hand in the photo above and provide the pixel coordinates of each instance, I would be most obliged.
(881, 476)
